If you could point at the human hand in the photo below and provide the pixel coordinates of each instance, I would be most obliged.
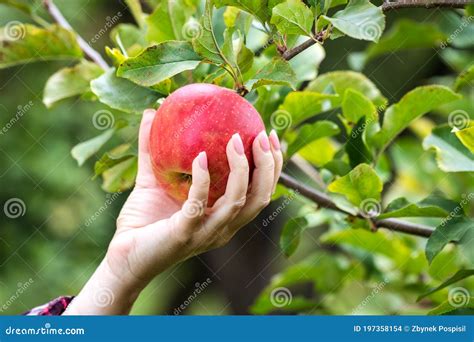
(154, 232)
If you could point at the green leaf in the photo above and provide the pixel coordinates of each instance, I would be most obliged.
(456, 229)
(465, 78)
(306, 63)
(362, 183)
(171, 21)
(451, 154)
(446, 307)
(130, 38)
(120, 177)
(460, 275)
(360, 20)
(256, 7)
(293, 17)
(277, 71)
(432, 206)
(159, 62)
(356, 105)
(342, 80)
(25, 43)
(356, 148)
(205, 44)
(414, 104)
(405, 35)
(112, 158)
(136, 9)
(84, 150)
(69, 82)
(302, 105)
(290, 235)
(466, 136)
(122, 94)
(311, 132)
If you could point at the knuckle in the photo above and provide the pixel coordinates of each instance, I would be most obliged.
(240, 203)
(264, 202)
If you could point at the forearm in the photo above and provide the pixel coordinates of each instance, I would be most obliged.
(105, 294)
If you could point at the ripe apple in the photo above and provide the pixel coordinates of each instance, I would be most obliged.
(195, 118)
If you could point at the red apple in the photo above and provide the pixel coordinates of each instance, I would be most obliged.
(195, 118)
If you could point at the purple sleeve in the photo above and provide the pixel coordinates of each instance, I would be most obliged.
(55, 307)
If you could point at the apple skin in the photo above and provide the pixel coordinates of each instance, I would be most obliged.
(195, 118)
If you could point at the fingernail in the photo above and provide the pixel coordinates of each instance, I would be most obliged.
(274, 140)
(238, 145)
(264, 142)
(202, 159)
(149, 111)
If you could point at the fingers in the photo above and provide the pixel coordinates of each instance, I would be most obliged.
(277, 157)
(229, 205)
(145, 176)
(263, 179)
(194, 208)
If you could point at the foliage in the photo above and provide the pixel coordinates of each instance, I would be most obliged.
(244, 45)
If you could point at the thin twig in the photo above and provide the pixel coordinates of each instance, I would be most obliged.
(85, 47)
(392, 5)
(386, 7)
(324, 201)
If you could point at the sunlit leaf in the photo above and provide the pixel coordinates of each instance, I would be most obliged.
(84, 150)
(122, 94)
(121, 176)
(25, 43)
(451, 154)
(465, 78)
(159, 62)
(277, 71)
(311, 132)
(293, 17)
(70, 82)
(433, 206)
(460, 275)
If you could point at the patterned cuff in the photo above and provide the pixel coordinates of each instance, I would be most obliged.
(55, 307)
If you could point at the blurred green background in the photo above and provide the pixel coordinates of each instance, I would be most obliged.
(52, 244)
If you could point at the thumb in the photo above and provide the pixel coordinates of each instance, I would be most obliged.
(145, 176)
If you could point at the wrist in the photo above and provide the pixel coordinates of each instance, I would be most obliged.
(106, 293)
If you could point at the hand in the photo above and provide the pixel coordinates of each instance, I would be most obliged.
(153, 232)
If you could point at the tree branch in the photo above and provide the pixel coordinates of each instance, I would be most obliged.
(88, 50)
(324, 201)
(386, 7)
(392, 5)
